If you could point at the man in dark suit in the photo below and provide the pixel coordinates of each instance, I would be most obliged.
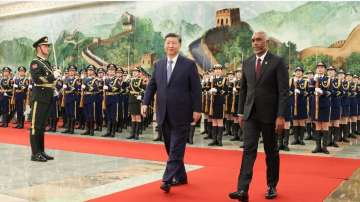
(176, 82)
(262, 105)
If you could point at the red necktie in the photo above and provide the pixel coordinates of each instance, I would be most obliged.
(258, 68)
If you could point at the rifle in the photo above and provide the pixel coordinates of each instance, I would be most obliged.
(104, 98)
(12, 101)
(211, 100)
(317, 85)
(81, 105)
(233, 100)
(295, 98)
(63, 98)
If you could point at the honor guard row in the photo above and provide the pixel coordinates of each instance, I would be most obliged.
(325, 105)
(85, 100)
(220, 97)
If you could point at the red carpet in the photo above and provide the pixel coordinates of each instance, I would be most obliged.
(302, 178)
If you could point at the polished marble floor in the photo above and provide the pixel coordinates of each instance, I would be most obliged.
(78, 177)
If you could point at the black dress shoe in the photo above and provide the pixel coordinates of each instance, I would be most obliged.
(47, 157)
(240, 195)
(165, 187)
(271, 193)
(179, 182)
(286, 148)
(38, 157)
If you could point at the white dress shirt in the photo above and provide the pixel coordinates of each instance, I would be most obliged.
(174, 62)
(261, 57)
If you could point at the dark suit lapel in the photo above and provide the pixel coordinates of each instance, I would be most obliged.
(164, 75)
(176, 68)
(265, 66)
(252, 74)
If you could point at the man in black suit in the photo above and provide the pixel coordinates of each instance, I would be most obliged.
(176, 82)
(262, 105)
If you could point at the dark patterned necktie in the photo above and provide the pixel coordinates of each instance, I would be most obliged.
(169, 70)
(258, 68)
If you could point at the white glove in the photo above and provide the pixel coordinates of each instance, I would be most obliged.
(234, 90)
(82, 76)
(63, 77)
(106, 87)
(57, 74)
(138, 97)
(83, 86)
(316, 77)
(297, 91)
(5, 94)
(56, 93)
(64, 86)
(213, 90)
(30, 86)
(318, 91)
(15, 86)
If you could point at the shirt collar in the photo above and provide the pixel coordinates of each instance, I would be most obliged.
(174, 59)
(262, 57)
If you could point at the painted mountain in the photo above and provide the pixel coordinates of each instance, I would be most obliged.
(311, 24)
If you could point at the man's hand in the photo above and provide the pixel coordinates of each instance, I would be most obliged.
(241, 120)
(144, 110)
(279, 125)
(196, 116)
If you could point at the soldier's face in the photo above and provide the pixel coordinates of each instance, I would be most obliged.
(310, 76)
(111, 72)
(172, 46)
(44, 49)
(71, 72)
(320, 70)
(101, 74)
(238, 75)
(341, 76)
(298, 73)
(21, 73)
(331, 73)
(6, 74)
(90, 73)
(218, 72)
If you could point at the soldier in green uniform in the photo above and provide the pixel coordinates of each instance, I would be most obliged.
(43, 77)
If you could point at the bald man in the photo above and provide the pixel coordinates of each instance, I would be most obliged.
(262, 107)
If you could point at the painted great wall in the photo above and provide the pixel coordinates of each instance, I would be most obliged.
(339, 50)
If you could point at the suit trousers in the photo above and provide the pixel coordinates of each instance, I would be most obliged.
(252, 130)
(175, 138)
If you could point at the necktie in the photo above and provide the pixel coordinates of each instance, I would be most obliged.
(169, 70)
(258, 68)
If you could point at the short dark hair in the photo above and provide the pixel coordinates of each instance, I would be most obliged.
(174, 36)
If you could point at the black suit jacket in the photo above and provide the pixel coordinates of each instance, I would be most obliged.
(179, 98)
(267, 97)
